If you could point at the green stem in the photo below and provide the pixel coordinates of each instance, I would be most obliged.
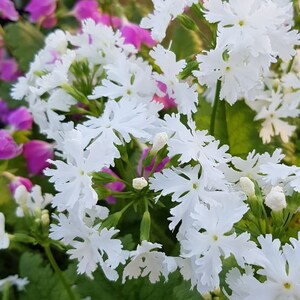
(266, 219)
(215, 107)
(289, 68)
(6, 291)
(59, 272)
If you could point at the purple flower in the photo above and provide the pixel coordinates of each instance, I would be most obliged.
(8, 147)
(17, 181)
(20, 119)
(8, 11)
(136, 35)
(9, 70)
(4, 112)
(165, 100)
(36, 154)
(42, 11)
(116, 186)
(87, 9)
(148, 169)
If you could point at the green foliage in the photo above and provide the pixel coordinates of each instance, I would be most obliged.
(23, 40)
(43, 283)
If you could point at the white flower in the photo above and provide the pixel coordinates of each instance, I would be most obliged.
(89, 245)
(20, 283)
(31, 202)
(184, 95)
(4, 239)
(279, 268)
(276, 199)
(214, 240)
(146, 262)
(139, 183)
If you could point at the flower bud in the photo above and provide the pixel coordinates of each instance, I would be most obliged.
(139, 183)
(247, 186)
(276, 199)
(159, 141)
(8, 147)
(4, 239)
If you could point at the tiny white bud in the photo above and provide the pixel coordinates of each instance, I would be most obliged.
(4, 239)
(276, 199)
(139, 183)
(159, 141)
(247, 186)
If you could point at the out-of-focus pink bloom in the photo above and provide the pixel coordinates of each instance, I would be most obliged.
(36, 154)
(8, 147)
(165, 100)
(17, 181)
(136, 35)
(4, 112)
(9, 69)
(148, 169)
(87, 9)
(116, 186)
(42, 11)
(8, 11)
(20, 119)
(108, 20)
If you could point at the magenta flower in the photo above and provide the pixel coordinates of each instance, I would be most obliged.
(9, 70)
(20, 119)
(8, 11)
(42, 11)
(116, 186)
(8, 147)
(17, 181)
(87, 9)
(108, 20)
(37, 154)
(148, 169)
(165, 100)
(4, 112)
(136, 35)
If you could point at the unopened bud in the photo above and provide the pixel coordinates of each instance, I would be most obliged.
(159, 141)
(139, 183)
(45, 217)
(276, 199)
(247, 186)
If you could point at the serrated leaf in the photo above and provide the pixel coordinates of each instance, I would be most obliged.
(43, 283)
(23, 40)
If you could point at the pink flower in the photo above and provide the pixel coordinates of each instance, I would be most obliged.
(148, 169)
(20, 119)
(9, 70)
(17, 181)
(165, 100)
(136, 35)
(42, 11)
(8, 147)
(8, 11)
(4, 112)
(36, 154)
(87, 9)
(116, 186)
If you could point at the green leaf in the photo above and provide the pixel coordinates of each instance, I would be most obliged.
(43, 283)
(23, 40)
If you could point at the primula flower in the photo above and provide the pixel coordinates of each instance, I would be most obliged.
(42, 11)
(87, 9)
(16, 181)
(37, 154)
(116, 186)
(167, 101)
(8, 11)
(9, 70)
(149, 168)
(20, 119)
(8, 147)
(14, 280)
(4, 112)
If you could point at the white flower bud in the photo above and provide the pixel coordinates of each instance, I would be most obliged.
(247, 186)
(276, 199)
(159, 141)
(139, 183)
(4, 239)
